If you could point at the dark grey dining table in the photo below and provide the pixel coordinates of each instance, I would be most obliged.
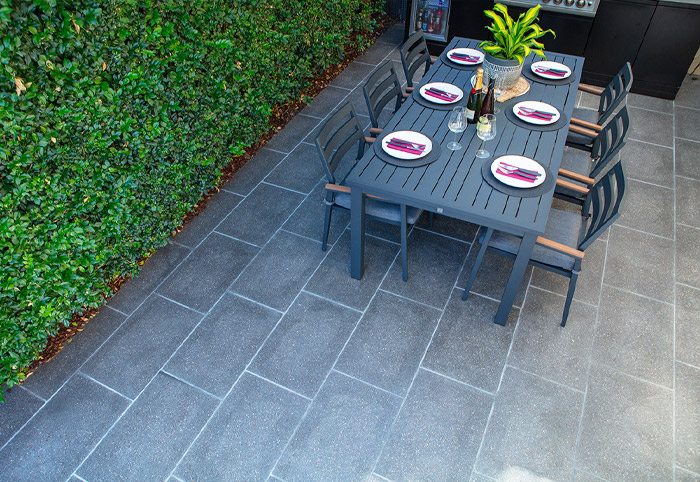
(453, 185)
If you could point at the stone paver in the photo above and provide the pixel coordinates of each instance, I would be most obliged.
(244, 352)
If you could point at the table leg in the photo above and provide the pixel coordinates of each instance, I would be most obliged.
(516, 278)
(357, 233)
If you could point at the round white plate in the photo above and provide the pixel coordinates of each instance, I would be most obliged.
(465, 51)
(533, 104)
(523, 163)
(545, 64)
(452, 89)
(409, 136)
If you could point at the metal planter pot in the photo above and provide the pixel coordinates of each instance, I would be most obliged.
(506, 72)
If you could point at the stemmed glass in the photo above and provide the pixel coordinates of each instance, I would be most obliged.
(498, 91)
(457, 123)
(485, 130)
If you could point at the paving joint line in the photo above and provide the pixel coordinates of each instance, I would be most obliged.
(337, 303)
(345, 374)
(257, 375)
(563, 296)
(182, 380)
(32, 393)
(549, 380)
(103, 384)
(202, 313)
(474, 387)
(636, 294)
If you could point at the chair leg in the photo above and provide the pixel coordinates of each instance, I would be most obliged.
(477, 262)
(404, 244)
(569, 296)
(326, 226)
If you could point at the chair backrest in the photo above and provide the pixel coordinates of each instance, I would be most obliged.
(615, 93)
(338, 135)
(603, 204)
(382, 87)
(413, 53)
(610, 140)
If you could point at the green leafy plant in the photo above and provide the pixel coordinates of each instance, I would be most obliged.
(514, 39)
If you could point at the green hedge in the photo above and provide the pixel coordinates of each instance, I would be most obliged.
(131, 108)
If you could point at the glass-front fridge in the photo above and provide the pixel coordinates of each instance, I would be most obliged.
(431, 16)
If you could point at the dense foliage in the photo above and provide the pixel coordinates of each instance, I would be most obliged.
(116, 116)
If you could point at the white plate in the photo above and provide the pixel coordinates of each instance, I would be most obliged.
(465, 51)
(533, 104)
(409, 136)
(452, 89)
(523, 163)
(545, 64)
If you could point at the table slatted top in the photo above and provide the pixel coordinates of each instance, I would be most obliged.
(453, 185)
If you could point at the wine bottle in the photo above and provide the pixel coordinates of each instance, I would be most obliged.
(488, 102)
(419, 22)
(475, 98)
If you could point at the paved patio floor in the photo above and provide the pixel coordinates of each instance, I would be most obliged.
(243, 352)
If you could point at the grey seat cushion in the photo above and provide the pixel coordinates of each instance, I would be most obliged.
(380, 209)
(587, 115)
(562, 227)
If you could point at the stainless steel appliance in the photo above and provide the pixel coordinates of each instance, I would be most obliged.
(431, 16)
(584, 8)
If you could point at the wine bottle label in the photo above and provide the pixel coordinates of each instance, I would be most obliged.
(470, 114)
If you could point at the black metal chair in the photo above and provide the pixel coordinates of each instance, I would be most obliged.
(567, 234)
(414, 52)
(382, 87)
(611, 96)
(338, 135)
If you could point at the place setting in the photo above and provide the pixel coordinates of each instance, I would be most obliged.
(535, 115)
(517, 176)
(406, 149)
(549, 73)
(439, 96)
(462, 58)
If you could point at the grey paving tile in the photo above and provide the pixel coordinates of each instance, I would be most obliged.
(493, 275)
(687, 155)
(437, 434)
(635, 335)
(308, 219)
(280, 271)
(49, 377)
(341, 435)
(589, 280)
(141, 446)
(245, 437)
(300, 171)
(688, 201)
(689, 93)
(218, 207)
(57, 439)
(393, 35)
(687, 326)
(580, 476)
(18, 407)
(333, 281)
(468, 346)
(156, 268)
(389, 342)
(626, 429)
(568, 349)
(304, 346)
(640, 263)
(293, 133)
(433, 266)
(452, 227)
(687, 121)
(648, 163)
(589, 101)
(576, 160)
(206, 274)
(683, 475)
(480, 478)
(223, 344)
(261, 214)
(254, 171)
(533, 427)
(141, 346)
(647, 209)
(688, 417)
(654, 127)
(325, 102)
(651, 103)
(376, 53)
(353, 75)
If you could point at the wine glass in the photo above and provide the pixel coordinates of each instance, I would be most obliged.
(457, 123)
(485, 130)
(498, 91)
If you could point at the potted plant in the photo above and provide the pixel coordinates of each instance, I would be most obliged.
(513, 40)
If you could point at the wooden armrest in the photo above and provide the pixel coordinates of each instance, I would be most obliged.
(572, 186)
(375, 130)
(584, 123)
(405, 95)
(345, 189)
(576, 177)
(409, 89)
(591, 89)
(582, 130)
(560, 247)
(370, 139)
